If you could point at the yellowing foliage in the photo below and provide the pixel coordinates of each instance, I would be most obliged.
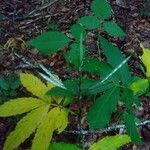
(111, 142)
(139, 86)
(40, 116)
(56, 119)
(19, 106)
(25, 127)
(35, 86)
(145, 58)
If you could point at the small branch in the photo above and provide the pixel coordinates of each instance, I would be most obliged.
(41, 8)
(108, 129)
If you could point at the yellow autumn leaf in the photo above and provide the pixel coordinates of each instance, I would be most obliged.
(56, 119)
(145, 58)
(25, 127)
(41, 116)
(19, 106)
(62, 120)
(35, 86)
(139, 86)
(111, 142)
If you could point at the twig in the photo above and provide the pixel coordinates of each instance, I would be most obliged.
(108, 129)
(41, 8)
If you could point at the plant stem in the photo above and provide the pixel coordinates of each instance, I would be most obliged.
(79, 98)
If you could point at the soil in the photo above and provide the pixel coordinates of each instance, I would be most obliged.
(27, 19)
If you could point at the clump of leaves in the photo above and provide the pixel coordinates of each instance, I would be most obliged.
(8, 88)
(41, 116)
(113, 82)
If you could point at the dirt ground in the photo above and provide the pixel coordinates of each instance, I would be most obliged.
(24, 19)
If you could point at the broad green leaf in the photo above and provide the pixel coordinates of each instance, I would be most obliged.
(127, 98)
(3, 84)
(70, 91)
(89, 22)
(25, 127)
(15, 84)
(145, 59)
(34, 85)
(115, 58)
(76, 31)
(129, 121)
(111, 142)
(101, 8)
(87, 83)
(19, 106)
(73, 55)
(99, 88)
(139, 86)
(50, 42)
(97, 67)
(113, 29)
(102, 109)
(56, 119)
(63, 146)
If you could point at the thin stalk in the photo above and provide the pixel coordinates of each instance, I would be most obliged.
(79, 99)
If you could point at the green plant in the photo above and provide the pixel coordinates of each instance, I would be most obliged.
(8, 88)
(44, 114)
(112, 83)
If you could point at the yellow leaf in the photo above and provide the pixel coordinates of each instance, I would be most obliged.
(35, 86)
(19, 106)
(62, 120)
(111, 142)
(139, 86)
(145, 58)
(56, 119)
(25, 127)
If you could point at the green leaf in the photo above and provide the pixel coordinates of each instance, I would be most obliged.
(12, 93)
(15, 84)
(113, 29)
(127, 98)
(56, 119)
(102, 109)
(89, 22)
(50, 42)
(87, 83)
(76, 31)
(73, 56)
(25, 127)
(114, 58)
(111, 142)
(145, 59)
(139, 86)
(19, 106)
(70, 91)
(3, 84)
(95, 66)
(101, 9)
(129, 121)
(63, 146)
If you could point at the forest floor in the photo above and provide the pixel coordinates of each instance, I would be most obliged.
(28, 18)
